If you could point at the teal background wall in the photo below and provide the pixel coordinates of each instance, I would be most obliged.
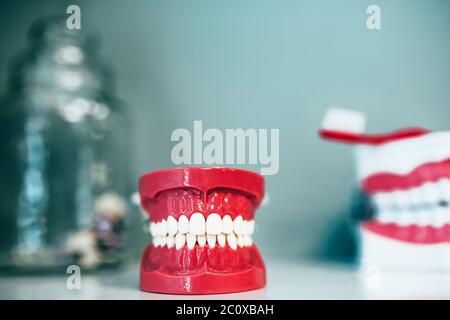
(267, 64)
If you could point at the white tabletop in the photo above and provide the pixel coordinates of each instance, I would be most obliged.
(287, 279)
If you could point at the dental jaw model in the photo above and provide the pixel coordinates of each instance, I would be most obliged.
(202, 223)
(406, 177)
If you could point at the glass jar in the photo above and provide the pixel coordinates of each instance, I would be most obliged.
(63, 142)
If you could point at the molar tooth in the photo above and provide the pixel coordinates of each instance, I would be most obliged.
(170, 242)
(232, 241)
(213, 224)
(386, 216)
(157, 241)
(153, 229)
(241, 240)
(162, 241)
(401, 199)
(249, 227)
(422, 218)
(163, 227)
(197, 224)
(190, 240)
(238, 225)
(227, 225)
(180, 240)
(439, 217)
(404, 218)
(444, 186)
(431, 192)
(416, 197)
(157, 229)
(248, 240)
(183, 224)
(221, 240)
(172, 226)
(201, 240)
(211, 238)
(382, 201)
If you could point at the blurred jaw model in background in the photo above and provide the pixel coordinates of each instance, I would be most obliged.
(405, 176)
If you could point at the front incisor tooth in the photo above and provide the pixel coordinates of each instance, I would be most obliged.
(213, 224)
(232, 241)
(162, 241)
(227, 225)
(201, 240)
(183, 224)
(190, 240)
(241, 240)
(170, 242)
(180, 240)
(172, 226)
(197, 225)
(163, 227)
(221, 240)
(238, 225)
(211, 238)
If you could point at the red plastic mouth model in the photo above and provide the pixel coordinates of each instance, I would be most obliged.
(202, 221)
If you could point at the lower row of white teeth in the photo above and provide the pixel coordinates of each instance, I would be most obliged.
(198, 230)
(190, 240)
(436, 217)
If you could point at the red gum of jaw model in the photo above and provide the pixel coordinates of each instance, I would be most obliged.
(202, 269)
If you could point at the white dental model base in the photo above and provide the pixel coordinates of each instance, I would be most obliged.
(391, 255)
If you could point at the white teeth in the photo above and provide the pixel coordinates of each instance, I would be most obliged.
(227, 225)
(211, 238)
(400, 199)
(197, 225)
(248, 240)
(431, 193)
(416, 197)
(249, 227)
(153, 231)
(163, 228)
(405, 218)
(424, 205)
(213, 224)
(183, 224)
(382, 201)
(170, 242)
(188, 232)
(190, 240)
(440, 217)
(157, 241)
(422, 218)
(238, 225)
(180, 240)
(386, 216)
(172, 226)
(241, 240)
(201, 240)
(444, 187)
(232, 241)
(221, 240)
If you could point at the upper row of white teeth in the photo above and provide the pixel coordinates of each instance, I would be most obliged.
(430, 193)
(198, 230)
